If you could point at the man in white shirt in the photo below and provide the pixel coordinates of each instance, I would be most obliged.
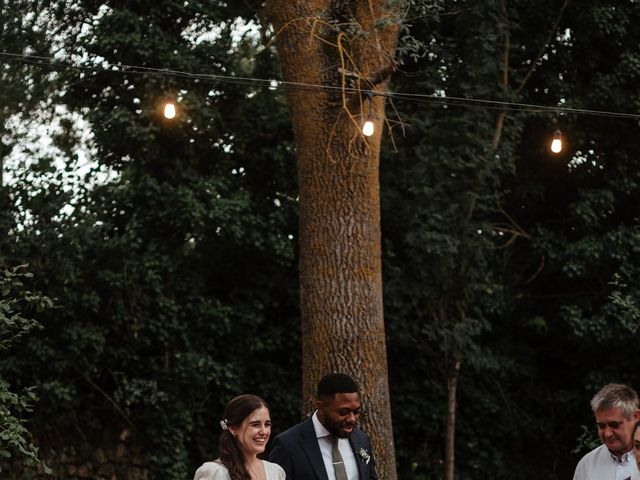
(328, 446)
(616, 409)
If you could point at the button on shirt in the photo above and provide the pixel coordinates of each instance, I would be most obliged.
(601, 464)
(348, 457)
(625, 466)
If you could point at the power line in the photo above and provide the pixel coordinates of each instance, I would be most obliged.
(125, 69)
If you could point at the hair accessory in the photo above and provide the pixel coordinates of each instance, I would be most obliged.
(223, 424)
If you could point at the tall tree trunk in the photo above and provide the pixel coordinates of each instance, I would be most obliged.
(452, 387)
(340, 264)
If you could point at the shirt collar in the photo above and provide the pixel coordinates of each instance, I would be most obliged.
(627, 457)
(320, 429)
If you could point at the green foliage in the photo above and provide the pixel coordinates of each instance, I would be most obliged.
(541, 267)
(17, 304)
(625, 305)
(171, 246)
(587, 441)
(172, 256)
(444, 231)
(15, 439)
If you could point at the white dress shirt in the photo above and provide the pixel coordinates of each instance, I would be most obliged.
(601, 464)
(348, 457)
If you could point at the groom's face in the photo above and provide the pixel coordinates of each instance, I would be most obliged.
(339, 414)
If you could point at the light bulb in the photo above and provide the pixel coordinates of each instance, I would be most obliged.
(556, 144)
(169, 110)
(367, 128)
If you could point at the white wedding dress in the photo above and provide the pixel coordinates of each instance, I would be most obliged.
(217, 471)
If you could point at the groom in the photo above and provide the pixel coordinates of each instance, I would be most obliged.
(328, 446)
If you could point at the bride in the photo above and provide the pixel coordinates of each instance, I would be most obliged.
(246, 427)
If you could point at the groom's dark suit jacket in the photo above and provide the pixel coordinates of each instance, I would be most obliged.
(297, 451)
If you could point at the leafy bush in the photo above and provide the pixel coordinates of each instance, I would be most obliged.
(16, 305)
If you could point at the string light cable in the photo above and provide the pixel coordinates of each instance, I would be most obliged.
(448, 100)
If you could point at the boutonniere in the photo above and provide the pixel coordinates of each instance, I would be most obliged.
(364, 456)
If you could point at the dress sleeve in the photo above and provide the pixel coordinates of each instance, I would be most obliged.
(276, 472)
(211, 471)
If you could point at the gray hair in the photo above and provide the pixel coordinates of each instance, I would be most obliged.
(616, 395)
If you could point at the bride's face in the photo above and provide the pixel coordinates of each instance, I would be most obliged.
(253, 433)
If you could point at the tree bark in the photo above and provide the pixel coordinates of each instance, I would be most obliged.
(318, 41)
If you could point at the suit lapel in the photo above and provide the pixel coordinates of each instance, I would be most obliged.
(309, 443)
(355, 446)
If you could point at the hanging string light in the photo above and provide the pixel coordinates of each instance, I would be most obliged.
(368, 127)
(169, 110)
(556, 143)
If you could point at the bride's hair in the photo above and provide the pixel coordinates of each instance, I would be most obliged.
(237, 410)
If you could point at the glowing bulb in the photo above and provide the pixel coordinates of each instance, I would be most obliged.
(169, 110)
(556, 144)
(367, 128)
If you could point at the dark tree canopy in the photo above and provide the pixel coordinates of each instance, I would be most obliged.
(172, 248)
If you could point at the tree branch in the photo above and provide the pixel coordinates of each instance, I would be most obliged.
(544, 47)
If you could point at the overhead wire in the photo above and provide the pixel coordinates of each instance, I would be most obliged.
(449, 100)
